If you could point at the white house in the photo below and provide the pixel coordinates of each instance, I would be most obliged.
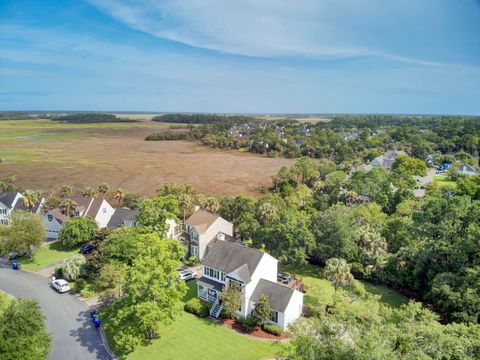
(467, 170)
(254, 273)
(204, 227)
(128, 217)
(12, 201)
(98, 209)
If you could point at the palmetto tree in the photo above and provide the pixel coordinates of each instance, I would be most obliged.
(68, 206)
(267, 211)
(119, 196)
(89, 192)
(185, 201)
(337, 270)
(103, 189)
(211, 204)
(30, 198)
(65, 190)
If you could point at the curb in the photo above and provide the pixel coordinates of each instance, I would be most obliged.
(105, 344)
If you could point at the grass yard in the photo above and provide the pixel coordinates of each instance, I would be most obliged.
(443, 180)
(320, 291)
(47, 255)
(193, 338)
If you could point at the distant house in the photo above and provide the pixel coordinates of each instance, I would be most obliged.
(386, 160)
(12, 201)
(202, 228)
(467, 170)
(98, 209)
(253, 273)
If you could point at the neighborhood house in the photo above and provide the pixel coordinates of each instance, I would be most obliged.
(11, 201)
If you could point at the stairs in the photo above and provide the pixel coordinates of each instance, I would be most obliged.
(216, 309)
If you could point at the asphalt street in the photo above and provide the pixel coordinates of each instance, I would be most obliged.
(68, 319)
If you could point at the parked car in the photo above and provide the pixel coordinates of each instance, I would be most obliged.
(186, 274)
(87, 249)
(15, 255)
(61, 285)
(283, 278)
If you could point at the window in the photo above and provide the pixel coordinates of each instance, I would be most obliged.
(274, 316)
(194, 250)
(50, 217)
(4, 221)
(3, 211)
(212, 273)
(104, 210)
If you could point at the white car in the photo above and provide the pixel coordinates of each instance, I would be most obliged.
(186, 274)
(61, 286)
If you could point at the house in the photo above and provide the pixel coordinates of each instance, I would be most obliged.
(12, 201)
(467, 170)
(386, 160)
(98, 209)
(254, 273)
(202, 228)
(128, 217)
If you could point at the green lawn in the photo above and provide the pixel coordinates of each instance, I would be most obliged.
(47, 255)
(443, 180)
(193, 338)
(320, 291)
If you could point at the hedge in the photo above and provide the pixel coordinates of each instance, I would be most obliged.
(197, 307)
(272, 329)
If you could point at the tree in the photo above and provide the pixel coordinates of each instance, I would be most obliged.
(111, 277)
(231, 299)
(262, 311)
(89, 192)
(68, 207)
(155, 212)
(211, 204)
(338, 272)
(23, 334)
(72, 267)
(306, 169)
(119, 195)
(77, 231)
(65, 190)
(409, 166)
(103, 189)
(25, 233)
(30, 199)
(151, 295)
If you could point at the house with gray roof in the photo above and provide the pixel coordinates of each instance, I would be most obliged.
(254, 273)
(13, 201)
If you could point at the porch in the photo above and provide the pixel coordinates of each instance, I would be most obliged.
(208, 290)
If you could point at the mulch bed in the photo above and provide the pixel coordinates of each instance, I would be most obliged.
(258, 332)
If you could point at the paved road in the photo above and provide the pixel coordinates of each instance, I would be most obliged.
(68, 319)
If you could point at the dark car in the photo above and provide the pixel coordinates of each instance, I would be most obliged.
(284, 278)
(15, 255)
(87, 248)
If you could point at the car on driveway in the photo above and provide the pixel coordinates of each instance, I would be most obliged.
(87, 249)
(186, 274)
(283, 278)
(61, 286)
(15, 255)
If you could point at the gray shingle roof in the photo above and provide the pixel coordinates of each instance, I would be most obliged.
(201, 220)
(215, 284)
(120, 215)
(228, 257)
(21, 206)
(7, 198)
(278, 295)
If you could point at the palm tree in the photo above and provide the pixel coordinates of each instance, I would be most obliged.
(119, 195)
(337, 270)
(211, 204)
(68, 206)
(30, 198)
(65, 190)
(3, 186)
(184, 200)
(267, 211)
(12, 180)
(103, 189)
(72, 267)
(89, 192)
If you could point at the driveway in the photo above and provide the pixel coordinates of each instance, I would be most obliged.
(68, 319)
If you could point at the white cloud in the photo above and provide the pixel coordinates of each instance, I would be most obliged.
(322, 29)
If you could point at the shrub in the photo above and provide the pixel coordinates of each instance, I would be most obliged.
(249, 323)
(72, 267)
(58, 272)
(79, 285)
(192, 261)
(225, 314)
(197, 307)
(272, 329)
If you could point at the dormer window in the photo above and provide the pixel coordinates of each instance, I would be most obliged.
(50, 217)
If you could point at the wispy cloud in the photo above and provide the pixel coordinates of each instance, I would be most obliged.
(261, 28)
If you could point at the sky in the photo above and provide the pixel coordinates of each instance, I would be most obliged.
(241, 56)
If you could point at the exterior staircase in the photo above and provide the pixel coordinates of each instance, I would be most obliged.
(216, 308)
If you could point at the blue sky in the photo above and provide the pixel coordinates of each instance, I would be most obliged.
(272, 56)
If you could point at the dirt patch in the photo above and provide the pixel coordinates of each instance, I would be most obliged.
(122, 158)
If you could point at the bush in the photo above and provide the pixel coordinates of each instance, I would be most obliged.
(249, 323)
(58, 273)
(272, 329)
(72, 267)
(79, 285)
(192, 261)
(225, 314)
(197, 307)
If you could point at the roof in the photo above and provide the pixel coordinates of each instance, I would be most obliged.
(229, 257)
(89, 205)
(58, 214)
(278, 295)
(21, 206)
(120, 215)
(7, 198)
(201, 220)
(215, 284)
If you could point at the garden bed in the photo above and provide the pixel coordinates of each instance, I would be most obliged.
(258, 332)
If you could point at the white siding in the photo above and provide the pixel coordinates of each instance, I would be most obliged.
(52, 226)
(220, 225)
(104, 214)
(293, 310)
